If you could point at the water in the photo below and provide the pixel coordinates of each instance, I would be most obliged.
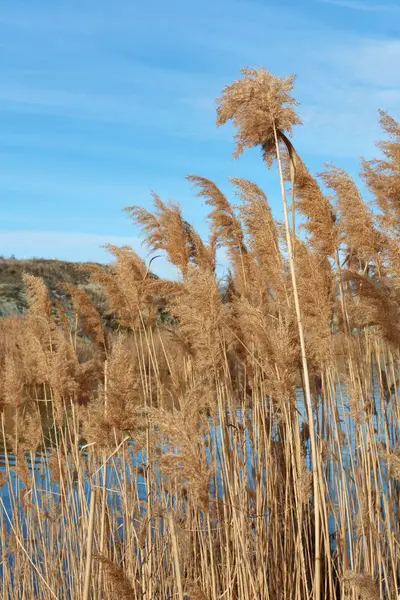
(43, 480)
(45, 492)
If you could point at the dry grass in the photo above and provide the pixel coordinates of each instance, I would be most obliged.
(249, 446)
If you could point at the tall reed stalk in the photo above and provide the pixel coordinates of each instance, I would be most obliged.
(306, 380)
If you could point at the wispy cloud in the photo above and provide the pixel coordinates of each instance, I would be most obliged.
(354, 5)
(186, 117)
(354, 77)
(369, 61)
(68, 183)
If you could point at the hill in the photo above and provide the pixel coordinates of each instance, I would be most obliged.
(53, 272)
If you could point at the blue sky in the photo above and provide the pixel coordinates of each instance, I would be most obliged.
(102, 101)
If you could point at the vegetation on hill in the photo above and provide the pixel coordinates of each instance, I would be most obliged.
(54, 273)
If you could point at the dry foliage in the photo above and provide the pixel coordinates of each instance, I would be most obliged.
(188, 423)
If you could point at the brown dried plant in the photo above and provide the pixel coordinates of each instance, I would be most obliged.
(257, 103)
(203, 255)
(43, 359)
(165, 230)
(271, 343)
(383, 175)
(194, 591)
(168, 231)
(118, 584)
(88, 317)
(363, 584)
(212, 398)
(226, 229)
(13, 383)
(61, 376)
(181, 431)
(262, 236)
(317, 300)
(38, 297)
(38, 319)
(202, 317)
(227, 226)
(261, 108)
(123, 394)
(132, 292)
(390, 260)
(377, 306)
(356, 223)
(320, 215)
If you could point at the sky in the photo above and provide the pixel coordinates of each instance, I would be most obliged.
(103, 101)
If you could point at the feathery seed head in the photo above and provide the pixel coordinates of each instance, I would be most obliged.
(38, 296)
(382, 176)
(257, 104)
(356, 221)
(363, 584)
(89, 318)
(316, 207)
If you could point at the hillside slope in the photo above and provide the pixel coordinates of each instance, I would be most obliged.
(54, 274)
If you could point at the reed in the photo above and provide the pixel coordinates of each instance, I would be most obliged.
(239, 443)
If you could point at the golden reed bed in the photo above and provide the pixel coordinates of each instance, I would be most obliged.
(181, 461)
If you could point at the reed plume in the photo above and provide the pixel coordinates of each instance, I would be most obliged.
(377, 306)
(164, 230)
(258, 104)
(226, 229)
(88, 317)
(202, 315)
(383, 175)
(38, 297)
(363, 584)
(118, 584)
(227, 226)
(183, 461)
(167, 230)
(317, 301)
(321, 220)
(273, 342)
(262, 239)
(132, 292)
(356, 223)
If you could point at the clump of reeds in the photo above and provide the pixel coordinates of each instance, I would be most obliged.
(239, 443)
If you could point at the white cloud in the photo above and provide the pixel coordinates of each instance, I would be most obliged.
(180, 102)
(341, 92)
(362, 5)
(64, 185)
(372, 62)
(182, 116)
